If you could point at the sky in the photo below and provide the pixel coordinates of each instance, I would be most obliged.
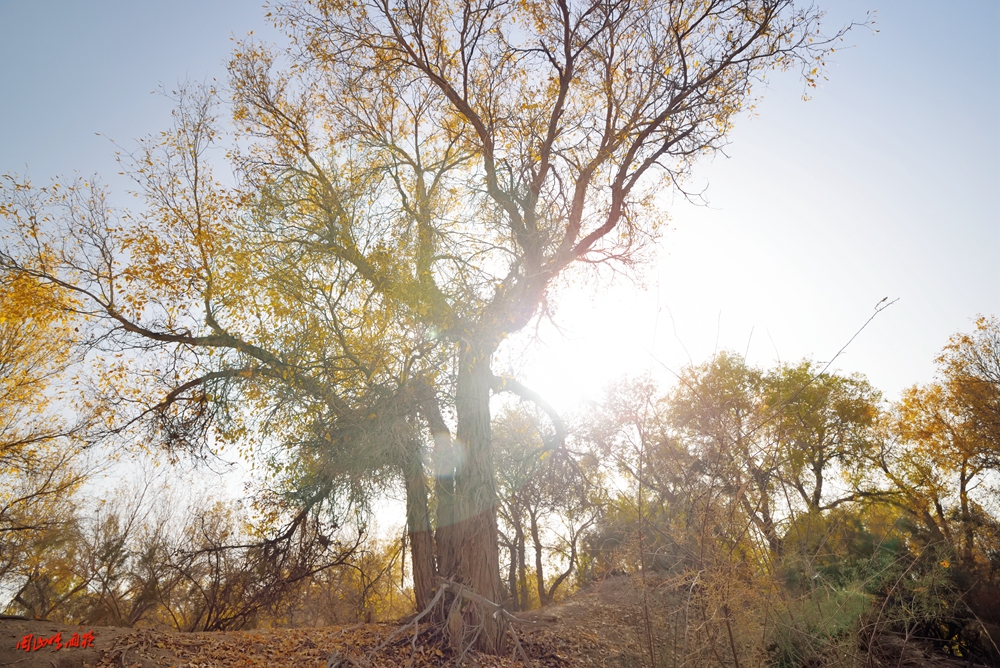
(884, 184)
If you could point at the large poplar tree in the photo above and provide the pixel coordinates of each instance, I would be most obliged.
(412, 178)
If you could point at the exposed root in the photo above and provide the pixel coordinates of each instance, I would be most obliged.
(449, 623)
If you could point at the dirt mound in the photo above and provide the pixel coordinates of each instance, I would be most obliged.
(601, 625)
(586, 629)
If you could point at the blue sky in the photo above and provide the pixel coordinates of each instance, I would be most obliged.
(885, 184)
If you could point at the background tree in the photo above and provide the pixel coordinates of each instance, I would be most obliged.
(148, 287)
(548, 495)
(40, 466)
(970, 366)
(937, 450)
(941, 445)
(720, 411)
(626, 434)
(824, 423)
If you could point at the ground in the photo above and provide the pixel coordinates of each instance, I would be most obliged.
(600, 626)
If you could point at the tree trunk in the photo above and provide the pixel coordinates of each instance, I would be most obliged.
(515, 545)
(815, 503)
(477, 558)
(522, 573)
(543, 596)
(932, 526)
(418, 525)
(968, 551)
(444, 482)
(512, 572)
(523, 598)
(774, 540)
(762, 511)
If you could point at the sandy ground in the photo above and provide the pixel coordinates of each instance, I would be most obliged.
(601, 626)
(14, 632)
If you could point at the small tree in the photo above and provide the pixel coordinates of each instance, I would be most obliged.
(824, 424)
(942, 444)
(970, 366)
(547, 494)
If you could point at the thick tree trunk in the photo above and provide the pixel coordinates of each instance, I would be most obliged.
(418, 525)
(477, 558)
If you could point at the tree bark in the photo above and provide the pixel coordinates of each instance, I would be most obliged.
(815, 503)
(524, 599)
(543, 596)
(477, 558)
(968, 551)
(511, 546)
(418, 525)
(444, 482)
(522, 573)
